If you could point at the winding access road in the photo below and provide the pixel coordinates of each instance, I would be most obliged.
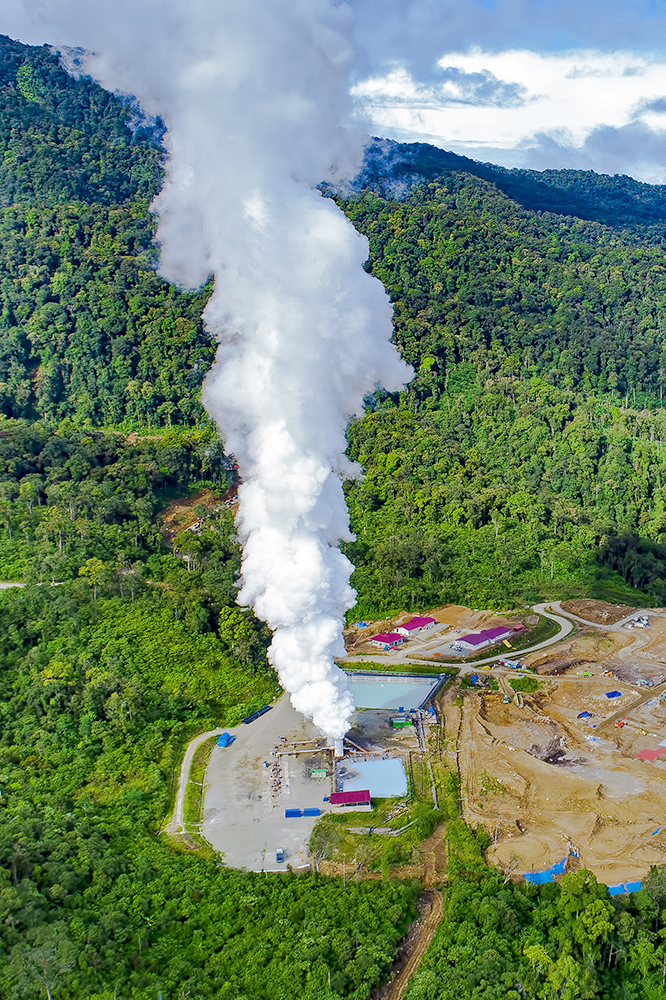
(176, 824)
(411, 659)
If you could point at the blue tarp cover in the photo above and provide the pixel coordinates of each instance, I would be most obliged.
(583, 715)
(624, 887)
(538, 878)
(655, 831)
(613, 694)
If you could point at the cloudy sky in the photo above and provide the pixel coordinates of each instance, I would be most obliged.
(537, 83)
(530, 83)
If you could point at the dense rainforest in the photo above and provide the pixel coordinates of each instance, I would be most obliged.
(525, 459)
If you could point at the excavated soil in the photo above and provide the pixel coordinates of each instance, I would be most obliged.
(600, 612)
(179, 514)
(545, 787)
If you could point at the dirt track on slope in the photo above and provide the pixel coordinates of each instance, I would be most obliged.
(425, 935)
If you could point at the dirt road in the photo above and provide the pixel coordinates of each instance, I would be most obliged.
(411, 659)
(627, 710)
(613, 627)
(425, 936)
(177, 822)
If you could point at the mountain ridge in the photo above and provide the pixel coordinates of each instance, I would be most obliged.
(394, 169)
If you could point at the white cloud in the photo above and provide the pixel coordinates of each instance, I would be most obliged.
(507, 105)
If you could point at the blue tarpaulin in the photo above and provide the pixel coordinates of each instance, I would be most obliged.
(583, 715)
(538, 878)
(654, 832)
(613, 694)
(624, 887)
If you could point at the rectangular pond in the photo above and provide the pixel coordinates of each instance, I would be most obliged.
(390, 692)
(385, 778)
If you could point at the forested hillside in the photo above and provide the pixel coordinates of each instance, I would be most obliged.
(87, 328)
(525, 459)
(503, 942)
(139, 645)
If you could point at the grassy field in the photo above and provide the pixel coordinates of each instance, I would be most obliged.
(429, 667)
(194, 792)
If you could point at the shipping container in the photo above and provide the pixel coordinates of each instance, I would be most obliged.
(256, 715)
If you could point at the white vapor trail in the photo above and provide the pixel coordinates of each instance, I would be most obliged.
(253, 94)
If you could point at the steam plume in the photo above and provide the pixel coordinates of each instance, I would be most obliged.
(253, 95)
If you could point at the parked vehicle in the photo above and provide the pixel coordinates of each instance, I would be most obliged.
(279, 854)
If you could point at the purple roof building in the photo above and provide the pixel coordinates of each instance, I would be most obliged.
(486, 637)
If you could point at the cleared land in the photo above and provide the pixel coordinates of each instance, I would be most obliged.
(250, 784)
(546, 772)
(547, 781)
(599, 612)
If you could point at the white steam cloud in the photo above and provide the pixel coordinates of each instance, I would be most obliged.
(254, 94)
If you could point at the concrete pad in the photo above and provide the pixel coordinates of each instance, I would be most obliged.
(245, 802)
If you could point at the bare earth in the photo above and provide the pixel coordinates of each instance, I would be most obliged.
(450, 616)
(598, 611)
(544, 785)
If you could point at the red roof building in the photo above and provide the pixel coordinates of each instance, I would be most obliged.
(415, 625)
(651, 754)
(361, 798)
(386, 640)
(486, 637)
